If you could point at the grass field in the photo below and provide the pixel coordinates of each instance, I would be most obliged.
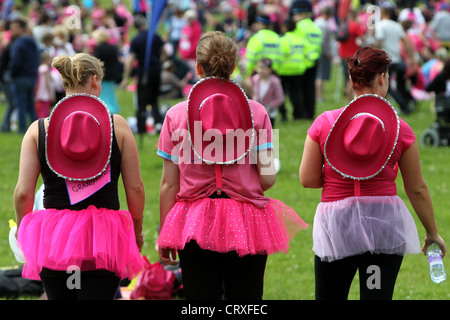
(288, 276)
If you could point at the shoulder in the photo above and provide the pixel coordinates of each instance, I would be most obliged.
(406, 136)
(257, 108)
(32, 133)
(322, 125)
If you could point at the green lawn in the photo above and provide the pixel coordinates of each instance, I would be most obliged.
(288, 276)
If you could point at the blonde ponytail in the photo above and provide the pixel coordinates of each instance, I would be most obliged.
(77, 69)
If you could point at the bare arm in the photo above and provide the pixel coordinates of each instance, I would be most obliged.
(419, 196)
(29, 170)
(310, 172)
(266, 169)
(131, 175)
(170, 185)
(127, 67)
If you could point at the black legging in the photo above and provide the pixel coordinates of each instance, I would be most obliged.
(212, 275)
(377, 276)
(94, 285)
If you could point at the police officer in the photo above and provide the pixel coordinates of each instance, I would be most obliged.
(265, 43)
(301, 11)
(293, 66)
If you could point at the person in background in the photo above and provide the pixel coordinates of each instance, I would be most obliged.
(190, 34)
(5, 79)
(326, 55)
(389, 34)
(80, 151)
(353, 154)
(267, 89)
(347, 48)
(109, 54)
(292, 67)
(176, 24)
(172, 86)
(213, 211)
(301, 11)
(265, 43)
(149, 80)
(45, 92)
(441, 83)
(23, 68)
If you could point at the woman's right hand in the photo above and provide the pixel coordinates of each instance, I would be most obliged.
(168, 255)
(429, 240)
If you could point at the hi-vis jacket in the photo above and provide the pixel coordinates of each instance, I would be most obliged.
(294, 61)
(263, 44)
(312, 35)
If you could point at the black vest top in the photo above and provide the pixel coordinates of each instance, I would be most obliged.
(55, 191)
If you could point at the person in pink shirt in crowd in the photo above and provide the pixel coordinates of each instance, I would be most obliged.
(353, 154)
(45, 93)
(348, 47)
(213, 210)
(190, 35)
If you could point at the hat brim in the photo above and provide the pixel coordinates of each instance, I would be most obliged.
(57, 161)
(199, 92)
(348, 166)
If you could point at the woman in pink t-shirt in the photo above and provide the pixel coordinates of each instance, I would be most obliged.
(213, 211)
(353, 154)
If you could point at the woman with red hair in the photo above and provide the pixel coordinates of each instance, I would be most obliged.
(353, 154)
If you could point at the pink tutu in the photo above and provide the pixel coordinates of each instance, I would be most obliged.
(89, 239)
(381, 224)
(225, 225)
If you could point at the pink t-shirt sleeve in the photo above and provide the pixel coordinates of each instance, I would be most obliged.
(406, 137)
(318, 131)
(263, 127)
(173, 136)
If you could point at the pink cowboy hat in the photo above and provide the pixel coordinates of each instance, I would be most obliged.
(79, 137)
(220, 121)
(363, 137)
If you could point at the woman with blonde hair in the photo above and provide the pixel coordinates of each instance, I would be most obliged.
(80, 152)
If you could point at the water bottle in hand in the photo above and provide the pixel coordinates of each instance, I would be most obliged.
(437, 271)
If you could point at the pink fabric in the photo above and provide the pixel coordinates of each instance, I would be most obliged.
(190, 34)
(356, 225)
(240, 181)
(335, 187)
(225, 225)
(348, 47)
(89, 239)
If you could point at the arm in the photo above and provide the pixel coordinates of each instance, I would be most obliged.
(266, 169)
(310, 172)
(29, 170)
(419, 196)
(131, 176)
(128, 66)
(170, 185)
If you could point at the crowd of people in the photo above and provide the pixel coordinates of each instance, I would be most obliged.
(212, 202)
(302, 44)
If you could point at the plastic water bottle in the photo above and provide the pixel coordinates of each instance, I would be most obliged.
(437, 271)
(18, 254)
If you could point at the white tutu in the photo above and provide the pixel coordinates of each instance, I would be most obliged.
(381, 224)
